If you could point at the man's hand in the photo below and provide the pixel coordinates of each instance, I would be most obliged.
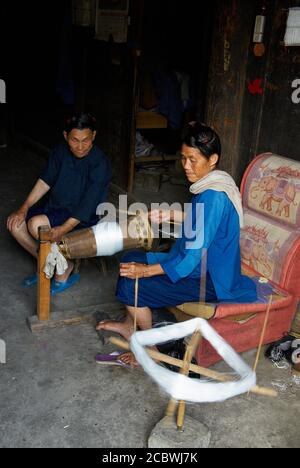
(57, 233)
(16, 219)
(133, 270)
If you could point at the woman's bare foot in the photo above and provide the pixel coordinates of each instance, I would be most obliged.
(63, 278)
(122, 328)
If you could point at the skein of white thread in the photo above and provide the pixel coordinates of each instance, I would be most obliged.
(184, 388)
(109, 238)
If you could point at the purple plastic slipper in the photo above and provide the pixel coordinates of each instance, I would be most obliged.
(111, 359)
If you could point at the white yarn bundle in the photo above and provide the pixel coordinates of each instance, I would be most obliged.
(184, 388)
(109, 238)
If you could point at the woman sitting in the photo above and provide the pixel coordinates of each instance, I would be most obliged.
(209, 245)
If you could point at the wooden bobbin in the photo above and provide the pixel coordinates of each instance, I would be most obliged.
(136, 231)
(189, 353)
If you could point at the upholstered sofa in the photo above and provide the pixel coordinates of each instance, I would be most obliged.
(270, 248)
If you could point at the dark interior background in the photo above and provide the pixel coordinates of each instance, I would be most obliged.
(54, 68)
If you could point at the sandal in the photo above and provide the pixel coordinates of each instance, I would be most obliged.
(30, 281)
(58, 287)
(111, 359)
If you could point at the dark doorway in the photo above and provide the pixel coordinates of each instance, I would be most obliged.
(175, 56)
(54, 68)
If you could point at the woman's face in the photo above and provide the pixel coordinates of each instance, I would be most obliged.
(196, 165)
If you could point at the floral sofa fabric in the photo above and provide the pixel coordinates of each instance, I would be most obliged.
(270, 240)
(272, 188)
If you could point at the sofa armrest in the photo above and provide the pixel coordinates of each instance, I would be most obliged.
(198, 309)
(231, 310)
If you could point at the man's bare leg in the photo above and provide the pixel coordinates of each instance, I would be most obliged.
(35, 223)
(25, 237)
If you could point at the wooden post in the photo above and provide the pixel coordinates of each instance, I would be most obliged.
(190, 350)
(136, 56)
(43, 290)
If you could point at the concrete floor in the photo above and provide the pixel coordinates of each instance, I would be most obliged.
(53, 394)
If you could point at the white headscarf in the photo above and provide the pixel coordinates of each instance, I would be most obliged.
(220, 181)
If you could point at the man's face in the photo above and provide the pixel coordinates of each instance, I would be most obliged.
(80, 141)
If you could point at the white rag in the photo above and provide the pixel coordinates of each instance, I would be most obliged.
(220, 181)
(55, 260)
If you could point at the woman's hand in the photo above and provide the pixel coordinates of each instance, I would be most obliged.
(16, 219)
(166, 216)
(133, 270)
(159, 216)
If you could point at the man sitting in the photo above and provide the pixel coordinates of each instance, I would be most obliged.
(77, 178)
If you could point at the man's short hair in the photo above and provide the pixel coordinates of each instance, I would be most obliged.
(80, 121)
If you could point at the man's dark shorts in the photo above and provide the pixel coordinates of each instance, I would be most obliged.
(56, 217)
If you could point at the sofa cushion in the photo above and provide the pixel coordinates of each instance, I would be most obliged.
(271, 187)
(270, 240)
(266, 244)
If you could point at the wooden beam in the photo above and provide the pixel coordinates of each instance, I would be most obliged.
(264, 391)
(227, 90)
(136, 56)
(72, 317)
(151, 159)
(43, 289)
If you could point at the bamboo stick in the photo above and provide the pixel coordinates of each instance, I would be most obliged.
(136, 295)
(176, 223)
(263, 334)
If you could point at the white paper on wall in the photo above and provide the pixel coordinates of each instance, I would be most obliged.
(83, 12)
(112, 20)
(292, 35)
